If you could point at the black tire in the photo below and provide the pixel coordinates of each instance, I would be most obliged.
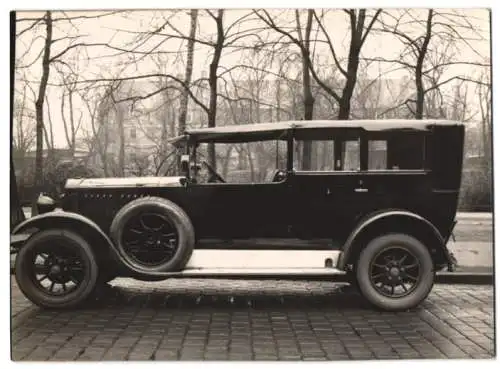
(105, 278)
(150, 278)
(173, 214)
(368, 272)
(67, 242)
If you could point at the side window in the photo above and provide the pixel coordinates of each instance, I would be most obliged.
(396, 152)
(351, 155)
(322, 155)
(377, 155)
(406, 152)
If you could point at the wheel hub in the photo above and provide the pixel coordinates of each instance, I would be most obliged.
(55, 270)
(394, 272)
(58, 270)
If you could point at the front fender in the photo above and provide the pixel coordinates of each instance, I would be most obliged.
(381, 216)
(64, 219)
(59, 218)
(41, 220)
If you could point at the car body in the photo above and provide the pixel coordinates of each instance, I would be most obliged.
(295, 223)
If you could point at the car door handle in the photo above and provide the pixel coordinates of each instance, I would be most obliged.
(361, 190)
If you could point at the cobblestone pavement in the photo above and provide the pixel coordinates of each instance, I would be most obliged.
(252, 320)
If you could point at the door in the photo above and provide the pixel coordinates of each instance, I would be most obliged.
(230, 210)
(328, 202)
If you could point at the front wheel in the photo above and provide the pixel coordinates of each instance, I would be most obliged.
(395, 272)
(56, 269)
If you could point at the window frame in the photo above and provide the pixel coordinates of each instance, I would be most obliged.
(363, 138)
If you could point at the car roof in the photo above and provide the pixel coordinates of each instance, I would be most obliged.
(279, 130)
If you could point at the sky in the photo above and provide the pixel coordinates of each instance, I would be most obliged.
(121, 29)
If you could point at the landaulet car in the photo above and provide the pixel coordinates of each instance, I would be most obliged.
(377, 213)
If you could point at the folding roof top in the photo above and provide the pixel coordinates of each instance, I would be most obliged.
(279, 130)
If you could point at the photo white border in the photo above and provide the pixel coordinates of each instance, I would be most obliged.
(152, 4)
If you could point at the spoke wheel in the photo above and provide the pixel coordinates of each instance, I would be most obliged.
(395, 272)
(153, 234)
(56, 269)
(150, 239)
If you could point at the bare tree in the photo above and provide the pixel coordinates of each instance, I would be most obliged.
(358, 34)
(24, 132)
(484, 96)
(305, 41)
(99, 106)
(189, 72)
(438, 33)
(48, 57)
(71, 128)
(39, 105)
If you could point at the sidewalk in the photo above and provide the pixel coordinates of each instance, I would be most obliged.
(462, 215)
(475, 218)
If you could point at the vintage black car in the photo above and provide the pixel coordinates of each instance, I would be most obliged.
(378, 212)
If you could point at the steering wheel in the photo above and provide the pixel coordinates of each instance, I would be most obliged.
(213, 173)
(279, 175)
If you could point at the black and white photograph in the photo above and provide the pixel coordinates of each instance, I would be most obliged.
(251, 184)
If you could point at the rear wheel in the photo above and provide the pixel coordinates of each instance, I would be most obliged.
(56, 269)
(395, 272)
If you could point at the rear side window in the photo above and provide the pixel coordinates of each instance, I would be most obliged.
(397, 152)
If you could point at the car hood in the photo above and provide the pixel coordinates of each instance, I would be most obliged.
(124, 182)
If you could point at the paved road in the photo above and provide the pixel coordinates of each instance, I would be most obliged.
(252, 320)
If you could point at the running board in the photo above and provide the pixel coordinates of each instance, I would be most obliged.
(295, 274)
(257, 272)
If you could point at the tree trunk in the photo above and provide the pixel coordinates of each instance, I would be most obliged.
(73, 127)
(189, 72)
(16, 212)
(419, 109)
(49, 134)
(39, 108)
(121, 128)
(187, 79)
(250, 163)
(357, 28)
(306, 83)
(225, 163)
(212, 81)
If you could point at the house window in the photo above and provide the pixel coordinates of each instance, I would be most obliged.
(133, 133)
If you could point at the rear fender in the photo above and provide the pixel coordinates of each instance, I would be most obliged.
(375, 224)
